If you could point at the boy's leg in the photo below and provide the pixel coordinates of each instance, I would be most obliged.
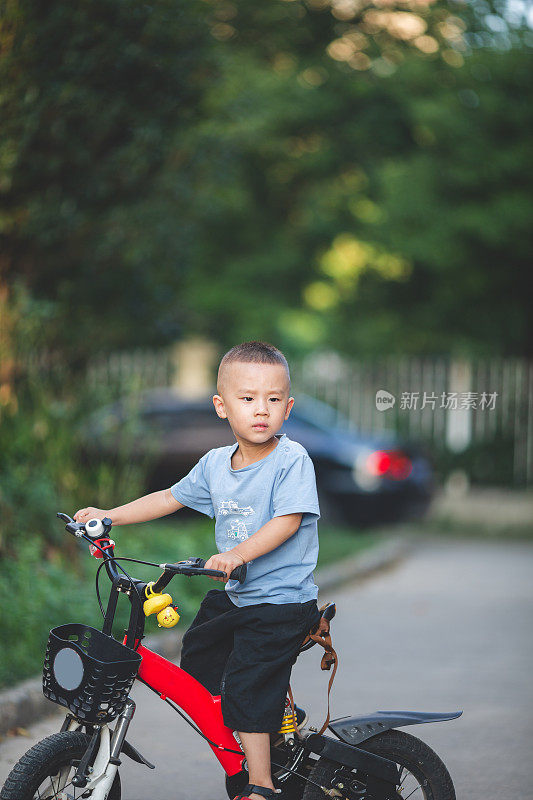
(257, 750)
(208, 641)
(257, 675)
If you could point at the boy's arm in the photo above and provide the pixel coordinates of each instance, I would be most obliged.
(267, 538)
(151, 506)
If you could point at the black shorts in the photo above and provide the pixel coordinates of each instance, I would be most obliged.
(245, 654)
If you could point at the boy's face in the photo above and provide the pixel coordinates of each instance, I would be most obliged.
(254, 398)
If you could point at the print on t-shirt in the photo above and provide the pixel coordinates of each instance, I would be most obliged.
(237, 530)
(231, 507)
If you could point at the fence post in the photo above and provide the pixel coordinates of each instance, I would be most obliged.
(193, 363)
(459, 420)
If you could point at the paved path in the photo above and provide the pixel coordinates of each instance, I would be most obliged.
(449, 628)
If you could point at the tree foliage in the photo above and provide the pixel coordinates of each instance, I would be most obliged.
(460, 205)
(92, 94)
(316, 172)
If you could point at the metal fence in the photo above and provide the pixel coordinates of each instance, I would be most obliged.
(473, 413)
(133, 370)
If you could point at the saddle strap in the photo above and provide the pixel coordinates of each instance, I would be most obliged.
(329, 659)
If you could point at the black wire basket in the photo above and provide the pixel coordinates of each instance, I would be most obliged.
(88, 672)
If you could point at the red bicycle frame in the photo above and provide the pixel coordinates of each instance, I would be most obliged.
(169, 680)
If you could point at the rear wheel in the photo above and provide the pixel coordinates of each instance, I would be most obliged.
(45, 772)
(423, 776)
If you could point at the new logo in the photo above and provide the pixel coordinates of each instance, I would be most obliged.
(384, 400)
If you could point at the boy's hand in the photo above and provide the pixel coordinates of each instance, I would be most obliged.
(85, 514)
(226, 562)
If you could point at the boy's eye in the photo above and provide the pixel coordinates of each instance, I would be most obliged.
(277, 399)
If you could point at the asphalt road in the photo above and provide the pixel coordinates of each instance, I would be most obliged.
(449, 628)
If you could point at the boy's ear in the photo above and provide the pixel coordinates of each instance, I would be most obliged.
(219, 406)
(290, 403)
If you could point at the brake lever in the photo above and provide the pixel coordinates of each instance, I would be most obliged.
(76, 528)
(80, 530)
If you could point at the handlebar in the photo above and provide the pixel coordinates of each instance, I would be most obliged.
(192, 566)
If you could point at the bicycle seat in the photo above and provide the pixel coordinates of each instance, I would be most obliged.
(327, 612)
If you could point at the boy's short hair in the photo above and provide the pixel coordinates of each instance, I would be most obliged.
(255, 353)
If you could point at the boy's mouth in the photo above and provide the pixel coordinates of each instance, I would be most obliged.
(260, 425)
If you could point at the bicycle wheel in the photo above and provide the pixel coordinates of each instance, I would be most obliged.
(48, 766)
(423, 776)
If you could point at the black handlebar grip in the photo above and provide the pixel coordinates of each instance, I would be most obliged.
(238, 574)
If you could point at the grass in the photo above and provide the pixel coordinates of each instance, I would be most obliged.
(337, 543)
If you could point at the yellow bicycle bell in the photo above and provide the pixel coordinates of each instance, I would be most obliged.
(160, 604)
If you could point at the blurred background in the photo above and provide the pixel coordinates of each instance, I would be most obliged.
(348, 180)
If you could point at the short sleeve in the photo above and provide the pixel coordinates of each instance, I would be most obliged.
(295, 490)
(193, 490)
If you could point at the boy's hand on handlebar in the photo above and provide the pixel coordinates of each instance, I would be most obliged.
(85, 514)
(226, 562)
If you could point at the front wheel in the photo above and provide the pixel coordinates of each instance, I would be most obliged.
(423, 776)
(45, 772)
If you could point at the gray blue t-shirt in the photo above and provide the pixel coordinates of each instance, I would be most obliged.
(243, 500)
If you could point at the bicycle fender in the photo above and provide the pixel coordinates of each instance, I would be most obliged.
(354, 730)
(383, 770)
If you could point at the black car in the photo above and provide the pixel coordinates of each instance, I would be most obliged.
(361, 478)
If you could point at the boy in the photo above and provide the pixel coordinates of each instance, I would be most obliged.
(262, 491)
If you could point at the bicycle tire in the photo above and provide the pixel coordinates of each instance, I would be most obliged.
(44, 760)
(405, 750)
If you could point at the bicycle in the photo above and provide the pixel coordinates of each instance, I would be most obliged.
(91, 674)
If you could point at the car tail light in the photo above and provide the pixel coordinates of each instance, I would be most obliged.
(389, 464)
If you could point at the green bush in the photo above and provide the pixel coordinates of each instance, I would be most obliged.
(42, 592)
(38, 594)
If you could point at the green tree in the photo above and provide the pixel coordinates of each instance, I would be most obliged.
(355, 207)
(458, 207)
(92, 95)
(239, 169)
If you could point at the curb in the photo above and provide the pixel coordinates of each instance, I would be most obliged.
(25, 703)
